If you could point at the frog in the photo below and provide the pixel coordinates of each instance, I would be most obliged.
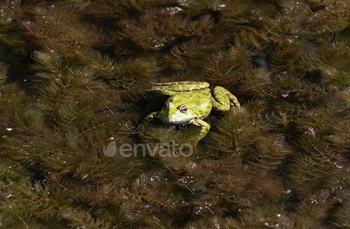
(190, 102)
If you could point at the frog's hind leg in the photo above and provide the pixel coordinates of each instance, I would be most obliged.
(176, 87)
(222, 97)
(177, 83)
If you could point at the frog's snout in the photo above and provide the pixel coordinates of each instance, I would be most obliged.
(170, 118)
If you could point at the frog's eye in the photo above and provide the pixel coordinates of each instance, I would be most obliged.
(183, 109)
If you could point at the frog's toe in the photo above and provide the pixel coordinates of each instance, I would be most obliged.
(140, 127)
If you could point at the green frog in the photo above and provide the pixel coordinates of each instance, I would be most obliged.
(189, 103)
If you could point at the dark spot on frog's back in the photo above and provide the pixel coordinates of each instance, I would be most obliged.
(208, 106)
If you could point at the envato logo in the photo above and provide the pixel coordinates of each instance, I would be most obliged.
(126, 149)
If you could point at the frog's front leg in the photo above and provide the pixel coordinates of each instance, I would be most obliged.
(222, 97)
(148, 118)
(205, 127)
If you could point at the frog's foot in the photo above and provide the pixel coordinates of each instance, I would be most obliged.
(176, 87)
(148, 119)
(205, 128)
(222, 97)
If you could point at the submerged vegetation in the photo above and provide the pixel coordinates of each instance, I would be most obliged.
(73, 79)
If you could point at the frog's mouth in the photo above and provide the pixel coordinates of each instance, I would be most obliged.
(168, 121)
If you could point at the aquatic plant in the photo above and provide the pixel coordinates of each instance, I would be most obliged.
(73, 81)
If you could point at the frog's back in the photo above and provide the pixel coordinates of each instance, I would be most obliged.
(194, 97)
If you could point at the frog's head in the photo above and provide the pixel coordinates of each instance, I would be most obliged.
(177, 110)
